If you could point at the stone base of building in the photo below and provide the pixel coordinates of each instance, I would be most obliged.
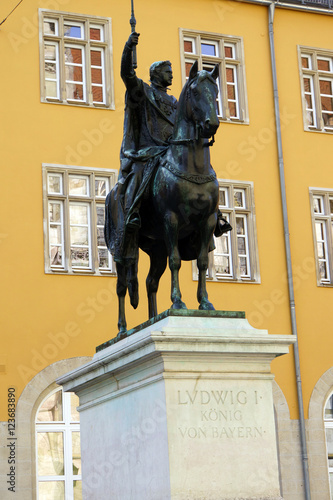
(181, 410)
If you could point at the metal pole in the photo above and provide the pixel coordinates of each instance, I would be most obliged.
(271, 11)
(133, 24)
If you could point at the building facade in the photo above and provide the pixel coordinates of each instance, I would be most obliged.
(63, 103)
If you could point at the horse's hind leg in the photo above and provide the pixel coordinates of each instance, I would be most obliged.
(158, 263)
(202, 262)
(171, 231)
(121, 292)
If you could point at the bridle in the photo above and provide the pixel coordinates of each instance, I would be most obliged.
(187, 142)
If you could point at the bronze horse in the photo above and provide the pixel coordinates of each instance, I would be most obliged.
(179, 210)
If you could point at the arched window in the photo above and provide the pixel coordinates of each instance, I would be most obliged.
(328, 419)
(58, 448)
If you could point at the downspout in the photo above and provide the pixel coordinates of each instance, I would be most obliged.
(271, 10)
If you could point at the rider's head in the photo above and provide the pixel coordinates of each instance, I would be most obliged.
(161, 73)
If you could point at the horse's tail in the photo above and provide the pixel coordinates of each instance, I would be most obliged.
(107, 224)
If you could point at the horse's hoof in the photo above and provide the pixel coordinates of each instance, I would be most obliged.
(178, 304)
(122, 333)
(206, 306)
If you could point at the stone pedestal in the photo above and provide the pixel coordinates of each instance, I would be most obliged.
(181, 410)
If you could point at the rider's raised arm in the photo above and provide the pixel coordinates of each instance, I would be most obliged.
(127, 71)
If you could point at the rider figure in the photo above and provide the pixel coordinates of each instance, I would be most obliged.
(148, 125)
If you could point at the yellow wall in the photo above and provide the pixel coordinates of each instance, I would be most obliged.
(80, 312)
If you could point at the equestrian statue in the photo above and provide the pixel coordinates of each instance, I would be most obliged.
(166, 199)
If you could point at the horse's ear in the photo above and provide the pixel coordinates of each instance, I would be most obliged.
(215, 72)
(193, 71)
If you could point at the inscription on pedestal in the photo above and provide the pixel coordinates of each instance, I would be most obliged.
(220, 414)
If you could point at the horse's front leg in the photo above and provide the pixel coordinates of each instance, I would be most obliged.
(158, 262)
(202, 262)
(171, 232)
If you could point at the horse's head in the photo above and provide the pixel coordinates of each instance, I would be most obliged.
(202, 92)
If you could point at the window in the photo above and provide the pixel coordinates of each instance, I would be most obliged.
(74, 215)
(322, 222)
(210, 49)
(235, 257)
(76, 59)
(328, 420)
(317, 88)
(58, 447)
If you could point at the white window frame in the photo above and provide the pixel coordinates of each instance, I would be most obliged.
(66, 427)
(65, 199)
(315, 75)
(61, 41)
(236, 63)
(325, 218)
(231, 212)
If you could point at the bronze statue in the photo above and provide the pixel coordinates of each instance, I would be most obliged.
(166, 198)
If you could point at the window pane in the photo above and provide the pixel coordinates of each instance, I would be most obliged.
(228, 51)
(79, 235)
(222, 264)
(95, 34)
(325, 87)
(189, 46)
(208, 49)
(51, 409)
(305, 62)
(329, 440)
(55, 235)
(103, 258)
(75, 416)
(96, 75)
(100, 211)
(323, 270)
(80, 257)
(50, 52)
(317, 205)
(323, 65)
(50, 453)
(231, 92)
(96, 57)
(321, 250)
(56, 255)
(243, 266)
(240, 225)
(328, 412)
(54, 184)
(77, 490)
(74, 91)
(230, 75)
(78, 214)
(78, 185)
(100, 236)
(51, 490)
(76, 454)
(73, 55)
(223, 199)
(241, 246)
(326, 103)
(331, 206)
(239, 198)
(73, 73)
(97, 94)
(188, 66)
(50, 27)
(50, 70)
(73, 31)
(320, 231)
(307, 84)
(101, 187)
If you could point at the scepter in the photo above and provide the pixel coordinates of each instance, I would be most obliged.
(133, 24)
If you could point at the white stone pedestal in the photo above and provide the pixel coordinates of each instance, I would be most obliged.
(181, 410)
